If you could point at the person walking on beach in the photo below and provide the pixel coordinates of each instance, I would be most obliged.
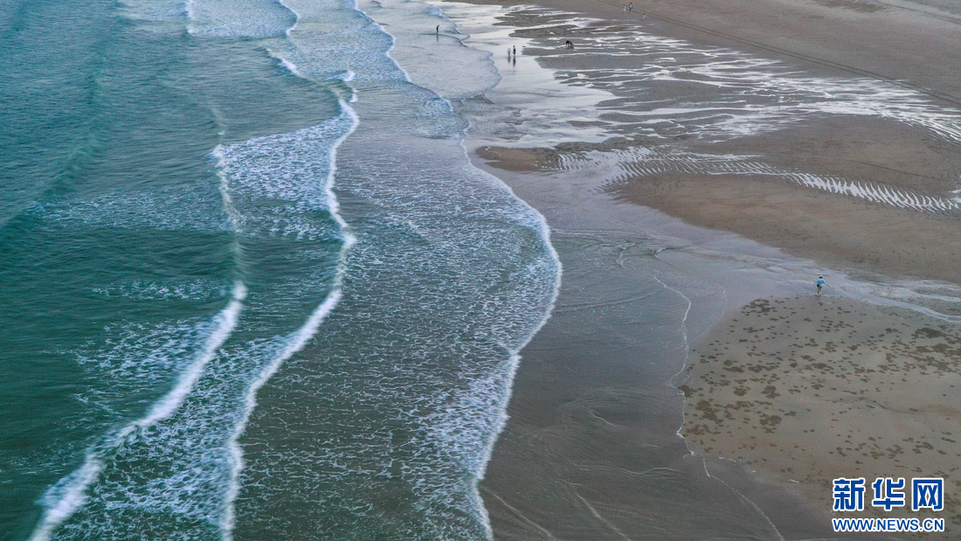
(819, 284)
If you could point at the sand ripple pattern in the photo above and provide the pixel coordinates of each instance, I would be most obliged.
(666, 90)
(621, 166)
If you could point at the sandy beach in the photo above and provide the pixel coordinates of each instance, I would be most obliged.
(906, 42)
(881, 151)
(813, 389)
(783, 391)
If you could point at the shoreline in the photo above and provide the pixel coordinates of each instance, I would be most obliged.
(592, 447)
(575, 458)
(902, 42)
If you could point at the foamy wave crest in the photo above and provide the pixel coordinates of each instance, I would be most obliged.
(453, 71)
(65, 498)
(297, 340)
(228, 320)
(257, 19)
(182, 457)
(274, 181)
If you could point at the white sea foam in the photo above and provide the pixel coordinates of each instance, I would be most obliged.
(169, 403)
(133, 359)
(296, 341)
(182, 208)
(199, 417)
(270, 180)
(451, 70)
(296, 18)
(289, 66)
(241, 19)
(165, 290)
(468, 426)
(64, 499)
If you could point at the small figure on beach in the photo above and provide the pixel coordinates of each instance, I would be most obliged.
(515, 51)
(508, 53)
(630, 7)
(819, 284)
(437, 30)
(569, 43)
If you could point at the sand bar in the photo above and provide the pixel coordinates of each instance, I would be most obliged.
(810, 389)
(588, 452)
(905, 42)
(875, 233)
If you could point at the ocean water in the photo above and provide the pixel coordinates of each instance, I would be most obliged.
(252, 287)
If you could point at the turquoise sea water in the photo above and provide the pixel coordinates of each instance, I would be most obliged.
(200, 199)
(252, 287)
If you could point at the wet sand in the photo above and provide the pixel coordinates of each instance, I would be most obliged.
(842, 232)
(905, 42)
(593, 448)
(810, 389)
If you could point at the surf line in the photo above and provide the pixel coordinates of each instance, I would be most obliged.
(69, 493)
(506, 378)
(296, 340)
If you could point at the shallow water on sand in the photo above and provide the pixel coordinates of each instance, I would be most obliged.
(268, 296)
(594, 430)
(225, 202)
